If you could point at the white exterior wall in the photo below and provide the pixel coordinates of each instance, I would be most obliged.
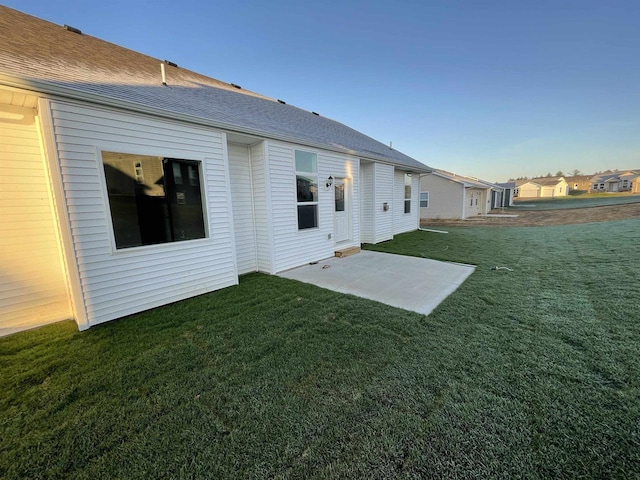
(293, 247)
(474, 202)
(33, 284)
(112, 283)
(262, 212)
(405, 222)
(367, 198)
(561, 189)
(528, 190)
(446, 198)
(242, 201)
(383, 176)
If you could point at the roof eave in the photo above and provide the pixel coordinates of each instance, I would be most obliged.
(104, 100)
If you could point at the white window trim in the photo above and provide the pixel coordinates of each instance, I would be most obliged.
(307, 174)
(407, 175)
(169, 246)
(427, 200)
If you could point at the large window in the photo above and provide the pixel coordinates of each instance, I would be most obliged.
(407, 193)
(307, 189)
(424, 199)
(153, 199)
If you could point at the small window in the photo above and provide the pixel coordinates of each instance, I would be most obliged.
(424, 199)
(155, 207)
(307, 189)
(407, 193)
(339, 197)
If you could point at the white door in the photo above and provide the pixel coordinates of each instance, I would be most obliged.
(341, 211)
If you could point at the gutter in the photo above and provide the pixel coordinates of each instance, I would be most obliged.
(39, 87)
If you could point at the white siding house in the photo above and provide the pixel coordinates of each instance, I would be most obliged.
(454, 196)
(121, 194)
(33, 282)
(545, 187)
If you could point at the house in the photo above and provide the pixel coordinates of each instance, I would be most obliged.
(446, 195)
(500, 195)
(619, 181)
(543, 187)
(579, 182)
(509, 190)
(128, 182)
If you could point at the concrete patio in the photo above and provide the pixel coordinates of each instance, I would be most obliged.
(411, 283)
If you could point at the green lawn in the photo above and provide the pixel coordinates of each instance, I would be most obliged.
(577, 201)
(533, 373)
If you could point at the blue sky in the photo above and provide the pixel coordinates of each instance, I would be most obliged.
(493, 89)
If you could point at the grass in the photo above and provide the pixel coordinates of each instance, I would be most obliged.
(576, 201)
(531, 373)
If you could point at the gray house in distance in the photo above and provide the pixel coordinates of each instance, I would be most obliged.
(128, 182)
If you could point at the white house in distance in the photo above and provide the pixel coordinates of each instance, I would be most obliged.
(445, 195)
(128, 182)
(622, 181)
(544, 187)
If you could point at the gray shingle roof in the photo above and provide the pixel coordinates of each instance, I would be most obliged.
(467, 181)
(63, 62)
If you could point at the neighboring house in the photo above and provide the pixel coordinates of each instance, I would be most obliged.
(611, 182)
(445, 195)
(544, 187)
(128, 183)
(500, 195)
(579, 182)
(508, 193)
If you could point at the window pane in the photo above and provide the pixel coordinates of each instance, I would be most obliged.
(407, 206)
(150, 208)
(307, 216)
(185, 202)
(177, 174)
(306, 162)
(307, 187)
(339, 189)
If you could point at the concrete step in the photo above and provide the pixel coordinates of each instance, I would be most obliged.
(347, 251)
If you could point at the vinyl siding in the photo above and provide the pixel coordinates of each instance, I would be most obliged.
(33, 285)
(405, 222)
(446, 197)
(383, 193)
(262, 212)
(242, 201)
(115, 283)
(367, 198)
(293, 247)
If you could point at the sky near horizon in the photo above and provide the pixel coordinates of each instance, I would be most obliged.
(491, 89)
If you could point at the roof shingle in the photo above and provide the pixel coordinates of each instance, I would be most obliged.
(34, 50)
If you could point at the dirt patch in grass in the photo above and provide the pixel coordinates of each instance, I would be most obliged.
(568, 216)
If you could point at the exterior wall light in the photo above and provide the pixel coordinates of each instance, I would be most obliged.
(329, 181)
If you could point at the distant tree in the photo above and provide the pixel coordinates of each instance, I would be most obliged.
(575, 173)
(559, 173)
(548, 174)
